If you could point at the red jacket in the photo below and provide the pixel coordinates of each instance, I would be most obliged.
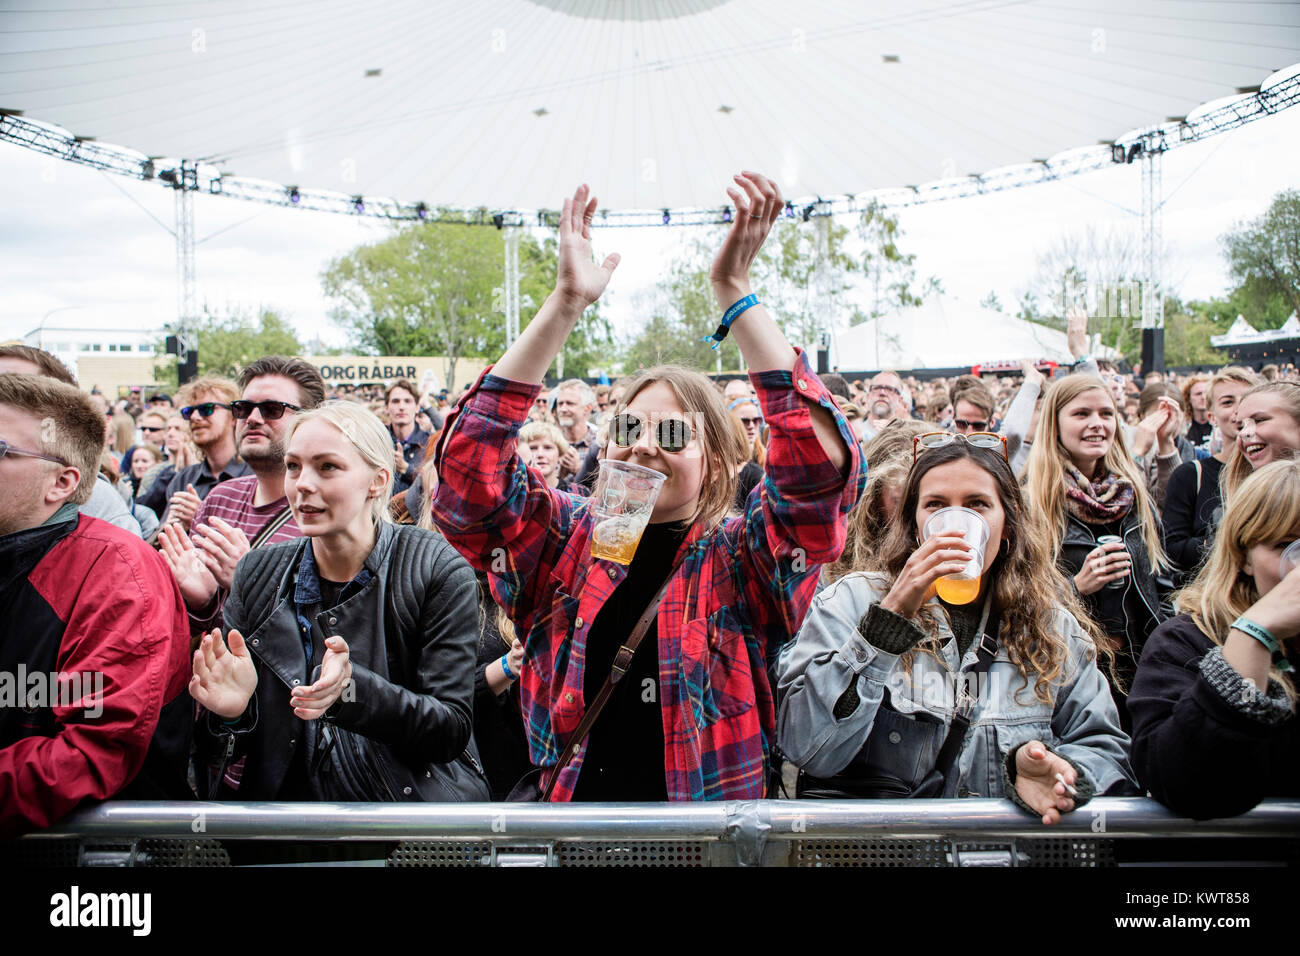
(87, 599)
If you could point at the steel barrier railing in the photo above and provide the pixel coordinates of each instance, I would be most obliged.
(768, 832)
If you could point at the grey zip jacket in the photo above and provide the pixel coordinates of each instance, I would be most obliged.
(822, 727)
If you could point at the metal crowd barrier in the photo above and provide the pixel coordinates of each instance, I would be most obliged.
(933, 833)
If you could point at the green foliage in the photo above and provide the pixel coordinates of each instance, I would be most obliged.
(228, 342)
(1264, 257)
(438, 288)
(890, 273)
(1187, 335)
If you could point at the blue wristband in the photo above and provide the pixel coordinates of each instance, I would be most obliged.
(728, 317)
(1265, 637)
(506, 667)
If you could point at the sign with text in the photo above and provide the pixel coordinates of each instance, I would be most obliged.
(425, 372)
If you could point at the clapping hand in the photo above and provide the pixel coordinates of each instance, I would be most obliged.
(223, 545)
(1036, 783)
(224, 677)
(184, 505)
(312, 701)
(193, 576)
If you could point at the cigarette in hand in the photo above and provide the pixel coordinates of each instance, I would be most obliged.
(1068, 789)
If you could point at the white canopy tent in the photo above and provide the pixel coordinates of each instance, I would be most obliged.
(510, 103)
(944, 333)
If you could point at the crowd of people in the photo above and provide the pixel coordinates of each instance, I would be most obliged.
(1004, 586)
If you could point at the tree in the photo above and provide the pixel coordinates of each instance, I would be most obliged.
(1187, 335)
(803, 270)
(1264, 257)
(437, 288)
(991, 301)
(228, 342)
(890, 273)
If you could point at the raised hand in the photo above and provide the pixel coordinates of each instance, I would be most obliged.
(312, 701)
(579, 281)
(1036, 783)
(758, 205)
(224, 678)
(223, 545)
(184, 505)
(1076, 331)
(939, 556)
(1032, 374)
(196, 581)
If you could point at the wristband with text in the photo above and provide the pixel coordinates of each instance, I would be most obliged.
(506, 667)
(728, 317)
(1265, 637)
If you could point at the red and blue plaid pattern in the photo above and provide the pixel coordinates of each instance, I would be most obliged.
(740, 594)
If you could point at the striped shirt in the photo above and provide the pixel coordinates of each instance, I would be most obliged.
(232, 502)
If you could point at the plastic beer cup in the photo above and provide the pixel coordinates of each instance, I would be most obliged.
(1290, 559)
(963, 587)
(621, 504)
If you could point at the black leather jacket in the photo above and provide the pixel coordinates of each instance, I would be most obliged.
(1142, 601)
(404, 730)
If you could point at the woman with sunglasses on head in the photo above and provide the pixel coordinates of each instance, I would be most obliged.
(897, 686)
(1268, 429)
(715, 598)
(1213, 703)
(1102, 527)
(347, 670)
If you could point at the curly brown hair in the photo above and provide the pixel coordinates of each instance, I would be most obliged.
(1028, 587)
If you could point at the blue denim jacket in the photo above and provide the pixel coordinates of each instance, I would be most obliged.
(1080, 723)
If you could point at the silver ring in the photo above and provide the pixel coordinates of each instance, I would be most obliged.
(752, 216)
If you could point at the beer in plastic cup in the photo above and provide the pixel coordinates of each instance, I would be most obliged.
(1113, 539)
(621, 505)
(1290, 559)
(963, 587)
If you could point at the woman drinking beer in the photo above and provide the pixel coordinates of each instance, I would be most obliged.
(712, 599)
(953, 663)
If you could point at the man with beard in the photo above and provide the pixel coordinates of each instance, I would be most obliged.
(251, 511)
(574, 403)
(887, 399)
(205, 404)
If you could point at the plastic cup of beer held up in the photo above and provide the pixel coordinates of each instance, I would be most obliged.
(1290, 559)
(621, 504)
(963, 587)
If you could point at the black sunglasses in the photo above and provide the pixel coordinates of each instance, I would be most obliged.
(271, 410)
(8, 449)
(203, 410)
(671, 434)
(973, 426)
(152, 428)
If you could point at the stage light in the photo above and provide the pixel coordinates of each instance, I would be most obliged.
(1134, 152)
(1117, 152)
(789, 210)
(726, 214)
(421, 211)
(294, 195)
(499, 220)
(667, 217)
(169, 176)
(358, 204)
(807, 212)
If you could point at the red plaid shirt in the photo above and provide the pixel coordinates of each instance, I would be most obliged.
(740, 594)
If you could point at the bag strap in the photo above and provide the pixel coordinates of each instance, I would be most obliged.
(271, 527)
(622, 661)
(956, 738)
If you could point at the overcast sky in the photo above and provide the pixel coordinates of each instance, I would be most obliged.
(84, 242)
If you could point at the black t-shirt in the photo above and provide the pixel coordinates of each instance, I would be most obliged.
(625, 749)
(1199, 434)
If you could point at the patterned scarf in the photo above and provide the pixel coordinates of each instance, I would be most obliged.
(1101, 502)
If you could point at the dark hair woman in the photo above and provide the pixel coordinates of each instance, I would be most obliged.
(885, 671)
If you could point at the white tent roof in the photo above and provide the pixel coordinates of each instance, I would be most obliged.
(944, 333)
(1242, 332)
(510, 103)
